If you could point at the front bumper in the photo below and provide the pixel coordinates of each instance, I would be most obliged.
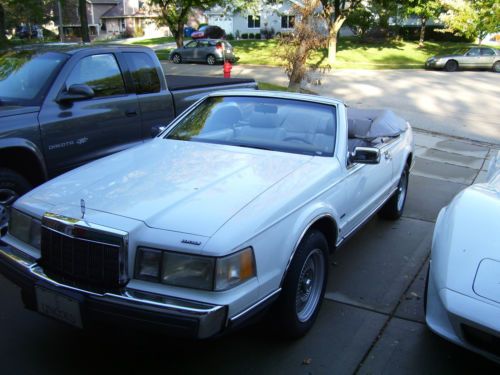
(434, 64)
(173, 316)
(453, 316)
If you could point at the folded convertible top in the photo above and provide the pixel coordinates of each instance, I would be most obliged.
(374, 123)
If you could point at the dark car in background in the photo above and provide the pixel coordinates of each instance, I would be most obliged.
(204, 50)
(212, 32)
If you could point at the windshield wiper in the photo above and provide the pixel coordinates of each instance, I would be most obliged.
(251, 146)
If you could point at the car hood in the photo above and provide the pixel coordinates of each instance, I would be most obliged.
(187, 187)
(12, 110)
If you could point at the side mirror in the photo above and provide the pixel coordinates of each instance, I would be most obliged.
(76, 92)
(365, 155)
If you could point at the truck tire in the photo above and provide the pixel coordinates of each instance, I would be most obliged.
(12, 186)
(303, 287)
(393, 208)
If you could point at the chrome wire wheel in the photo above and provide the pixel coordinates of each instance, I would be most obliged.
(7, 197)
(176, 59)
(402, 189)
(210, 60)
(310, 285)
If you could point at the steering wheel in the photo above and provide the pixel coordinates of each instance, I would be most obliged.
(302, 140)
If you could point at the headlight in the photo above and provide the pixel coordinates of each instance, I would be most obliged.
(25, 228)
(194, 271)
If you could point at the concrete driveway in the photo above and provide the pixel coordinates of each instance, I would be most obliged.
(463, 104)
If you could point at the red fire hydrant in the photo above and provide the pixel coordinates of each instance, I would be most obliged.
(227, 68)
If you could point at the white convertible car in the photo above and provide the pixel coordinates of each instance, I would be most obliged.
(234, 207)
(463, 286)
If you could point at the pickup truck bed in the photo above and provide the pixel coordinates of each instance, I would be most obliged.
(189, 82)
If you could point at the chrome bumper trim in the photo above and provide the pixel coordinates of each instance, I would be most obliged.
(212, 318)
(255, 305)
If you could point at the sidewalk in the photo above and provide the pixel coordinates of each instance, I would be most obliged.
(461, 104)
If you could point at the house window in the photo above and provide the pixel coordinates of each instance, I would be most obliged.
(287, 22)
(254, 22)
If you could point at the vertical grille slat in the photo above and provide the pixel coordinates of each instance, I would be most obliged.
(80, 260)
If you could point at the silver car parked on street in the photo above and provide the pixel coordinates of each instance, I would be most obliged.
(211, 51)
(472, 58)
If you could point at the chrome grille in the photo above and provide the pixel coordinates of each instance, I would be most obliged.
(76, 252)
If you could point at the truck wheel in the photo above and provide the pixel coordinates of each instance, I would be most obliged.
(393, 208)
(12, 186)
(303, 287)
(176, 58)
(211, 60)
(451, 66)
(496, 67)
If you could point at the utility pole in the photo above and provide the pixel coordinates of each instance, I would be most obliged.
(59, 11)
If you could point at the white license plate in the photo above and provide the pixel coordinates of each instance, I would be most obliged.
(58, 306)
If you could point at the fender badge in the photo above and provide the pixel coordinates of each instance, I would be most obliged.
(82, 207)
(189, 242)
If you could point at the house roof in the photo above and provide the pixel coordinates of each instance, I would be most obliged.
(119, 12)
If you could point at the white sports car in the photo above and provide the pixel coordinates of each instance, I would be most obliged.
(463, 285)
(233, 207)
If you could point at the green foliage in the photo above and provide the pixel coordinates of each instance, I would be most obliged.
(472, 18)
(251, 36)
(244, 36)
(360, 19)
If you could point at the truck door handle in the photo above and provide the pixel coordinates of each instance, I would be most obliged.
(131, 112)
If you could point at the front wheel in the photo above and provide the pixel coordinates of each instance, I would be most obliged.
(496, 67)
(12, 186)
(451, 66)
(176, 58)
(211, 60)
(304, 286)
(393, 208)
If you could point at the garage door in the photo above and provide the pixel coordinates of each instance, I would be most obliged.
(223, 22)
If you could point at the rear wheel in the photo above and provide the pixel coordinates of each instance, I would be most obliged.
(211, 60)
(451, 66)
(304, 286)
(12, 186)
(393, 208)
(176, 58)
(496, 67)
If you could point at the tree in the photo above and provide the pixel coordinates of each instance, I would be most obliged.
(296, 47)
(384, 9)
(335, 12)
(361, 19)
(82, 11)
(472, 18)
(424, 10)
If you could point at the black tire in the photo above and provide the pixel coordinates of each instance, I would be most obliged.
(304, 287)
(176, 58)
(211, 60)
(496, 67)
(451, 66)
(393, 208)
(12, 186)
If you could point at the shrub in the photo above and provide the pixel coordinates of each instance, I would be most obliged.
(244, 36)
(257, 36)
(267, 33)
(433, 33)
(229, 36)
(251, 36)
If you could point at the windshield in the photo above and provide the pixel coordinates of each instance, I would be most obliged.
(265, 123)
(26, 75)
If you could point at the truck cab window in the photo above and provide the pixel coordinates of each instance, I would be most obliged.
(144, 73)
(101, 73)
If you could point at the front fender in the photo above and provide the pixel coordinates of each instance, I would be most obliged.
(31, 147)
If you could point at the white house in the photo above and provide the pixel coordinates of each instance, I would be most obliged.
(278, 16)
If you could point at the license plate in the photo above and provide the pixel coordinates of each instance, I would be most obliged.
(58, 306)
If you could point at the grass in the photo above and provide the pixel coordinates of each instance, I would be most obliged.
(351, 53)
(163, 54)
(271, 87)
(154, 41)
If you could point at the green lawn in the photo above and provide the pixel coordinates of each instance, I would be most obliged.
(351, 53)
(154, 41)
(163, 54)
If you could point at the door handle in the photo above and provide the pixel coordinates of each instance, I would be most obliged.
(131, 112)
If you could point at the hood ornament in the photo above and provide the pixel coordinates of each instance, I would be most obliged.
(82, 207)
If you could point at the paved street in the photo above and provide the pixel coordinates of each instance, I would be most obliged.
(462, 104)
(372, 318)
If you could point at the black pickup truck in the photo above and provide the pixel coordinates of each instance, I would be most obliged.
(63, 106)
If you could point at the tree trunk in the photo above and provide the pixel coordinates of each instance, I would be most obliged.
(2, 25)
(422, 32)
(299, 67)
(82, 10)
(332, 39)
(179, 34)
